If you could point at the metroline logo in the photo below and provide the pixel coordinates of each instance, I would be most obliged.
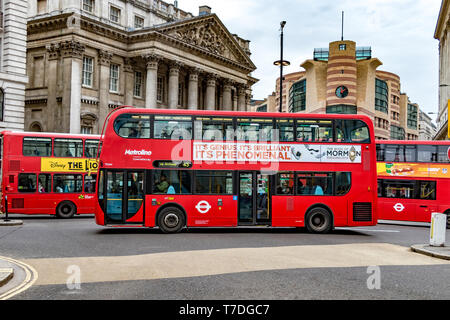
(137, 152)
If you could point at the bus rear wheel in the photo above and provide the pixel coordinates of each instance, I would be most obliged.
(319, 220)
(171, 220)
(66, 210)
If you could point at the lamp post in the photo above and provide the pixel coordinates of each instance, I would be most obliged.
(281, 63)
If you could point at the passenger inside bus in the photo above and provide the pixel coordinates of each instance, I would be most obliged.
(163, 185)
(59, 186)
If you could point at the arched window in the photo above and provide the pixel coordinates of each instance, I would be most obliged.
(36, 127)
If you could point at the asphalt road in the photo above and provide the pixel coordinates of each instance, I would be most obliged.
(76, 259)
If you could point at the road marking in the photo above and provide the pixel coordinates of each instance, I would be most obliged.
(198, 263)
(369, 230)
(31, 276)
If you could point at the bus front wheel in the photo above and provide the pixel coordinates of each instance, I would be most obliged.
(66, 210)
(171, 220)
(319, 220)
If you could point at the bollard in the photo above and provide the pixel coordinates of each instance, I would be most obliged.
(438, 229)
(6, 209)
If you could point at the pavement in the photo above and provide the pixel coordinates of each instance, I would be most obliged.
(436, 252)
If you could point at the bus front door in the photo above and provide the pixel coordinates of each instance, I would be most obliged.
(254, 199)
(125, 197)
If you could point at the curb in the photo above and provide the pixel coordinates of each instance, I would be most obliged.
(11, 223)
(432, 251)
(30, 276)
(6, 274)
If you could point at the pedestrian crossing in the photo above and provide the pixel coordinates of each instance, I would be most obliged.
(196, 263)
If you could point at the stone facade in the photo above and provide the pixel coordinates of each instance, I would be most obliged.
(13, 77)
(343, 65)
(442, 33)
(427, 129)
(87, 57)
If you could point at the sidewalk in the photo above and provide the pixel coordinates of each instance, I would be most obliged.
(436, 252)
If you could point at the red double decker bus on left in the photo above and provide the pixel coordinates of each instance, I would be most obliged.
(48, 173)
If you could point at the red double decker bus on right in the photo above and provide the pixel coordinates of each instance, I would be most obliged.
(176, 169)
(413, 179)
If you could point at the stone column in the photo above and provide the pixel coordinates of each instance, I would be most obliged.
(193, 89)
(210, 100)
(174, 80)
(227, 103)
(151, 84)
(128, 70)
(104, 60)
(242, 97)
(51, 123)
(72, 52)
(235, 100)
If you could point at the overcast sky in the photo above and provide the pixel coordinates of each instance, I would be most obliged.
(400, 33)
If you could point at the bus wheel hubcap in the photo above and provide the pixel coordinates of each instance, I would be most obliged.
(318, 221)
(171, 220)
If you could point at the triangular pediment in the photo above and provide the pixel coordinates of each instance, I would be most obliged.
(209, 34)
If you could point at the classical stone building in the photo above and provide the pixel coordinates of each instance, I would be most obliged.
(86, 57)
(345, 79)
(13, 78)
(442, 33)
(427, 129)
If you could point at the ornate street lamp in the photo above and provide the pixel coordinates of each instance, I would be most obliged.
(282, 63)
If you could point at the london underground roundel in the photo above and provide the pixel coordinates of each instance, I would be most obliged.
(448, 153)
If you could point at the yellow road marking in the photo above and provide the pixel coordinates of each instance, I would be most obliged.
(30, 278)
(222, 261)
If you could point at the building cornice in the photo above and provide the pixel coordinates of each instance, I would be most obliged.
(147, 35)
(442, 19)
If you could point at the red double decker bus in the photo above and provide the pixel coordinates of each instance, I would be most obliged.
(413, 179)
(48, 173)
(180, 168)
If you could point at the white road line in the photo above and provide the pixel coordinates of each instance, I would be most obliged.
(368, 230)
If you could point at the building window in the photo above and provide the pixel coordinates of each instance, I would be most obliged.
(342, 47)
(86, 130)
(88, 71)
(381, 95)
(114, 78)
(297, 96)
(160, 89)
(262, 108)
(342, 109)
(412, 117)
(397, 133)
(114, 14)
(2, 104)
(138, 22)
(88, 5)
(138, 84)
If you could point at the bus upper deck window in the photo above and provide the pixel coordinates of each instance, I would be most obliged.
(133, 126)
(285, 129)
(213, 128)
(314, 130)
(37, 147)
(68, 148)
(352, 131)
(172, 127)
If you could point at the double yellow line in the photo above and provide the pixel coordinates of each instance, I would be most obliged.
(31, 276)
